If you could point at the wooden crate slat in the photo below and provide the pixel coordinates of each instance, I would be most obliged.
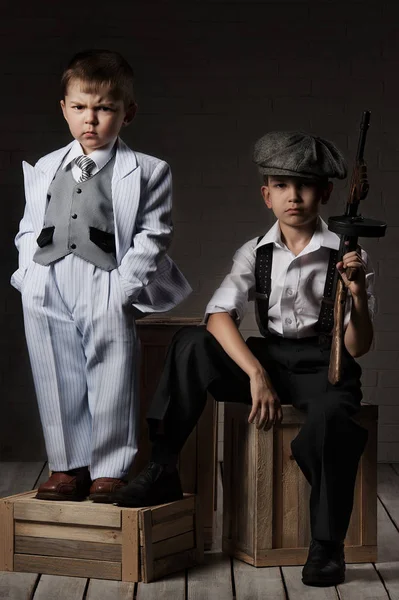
(130, 546)
(199, 531)
(6, 536)
(206, 464)
(168, 529)
(277, 493)
(169, 511)
(59, 512)
(67, 548)
(227, 514)
(102, 535)
(188, 465)
(290, 481)
(246, 495)
(173, 545)
(297, 556)
(173, 563)
(147, 558)
(74, 567)
(21, 496)
(264, 494)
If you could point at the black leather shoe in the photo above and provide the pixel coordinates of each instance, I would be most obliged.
(156, 484)
(325, 565)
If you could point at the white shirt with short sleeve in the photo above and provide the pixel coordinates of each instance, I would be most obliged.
(100, 157)
(297, 284)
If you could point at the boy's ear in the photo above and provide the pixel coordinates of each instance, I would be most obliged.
(326, 193)
(266, 195)
(130, 114)
(62, 102)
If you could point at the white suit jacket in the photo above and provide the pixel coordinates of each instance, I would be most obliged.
(142, 203)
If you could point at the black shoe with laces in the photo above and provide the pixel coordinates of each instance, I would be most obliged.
(325, 565)
(156, 484)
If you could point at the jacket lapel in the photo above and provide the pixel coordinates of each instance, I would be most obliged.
(37, 180)
(126, 181)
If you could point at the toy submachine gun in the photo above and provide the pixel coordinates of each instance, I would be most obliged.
(350, 227)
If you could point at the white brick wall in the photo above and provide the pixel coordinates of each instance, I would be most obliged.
(212, 76)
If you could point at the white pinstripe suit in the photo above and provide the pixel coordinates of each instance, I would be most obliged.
(79, 319)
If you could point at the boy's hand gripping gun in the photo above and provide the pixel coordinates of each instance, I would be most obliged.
(350, 226)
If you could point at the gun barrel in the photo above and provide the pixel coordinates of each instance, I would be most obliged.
(365, 124)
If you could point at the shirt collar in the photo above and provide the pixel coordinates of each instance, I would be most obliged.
(100, 157)
(322, 237)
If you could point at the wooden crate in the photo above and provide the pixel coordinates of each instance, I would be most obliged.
(266, 496)
(198, 459)
(102, 541)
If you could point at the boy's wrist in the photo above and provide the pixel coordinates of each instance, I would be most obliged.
(360, 297)
(255, 370)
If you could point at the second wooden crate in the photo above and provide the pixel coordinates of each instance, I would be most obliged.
(266, 496)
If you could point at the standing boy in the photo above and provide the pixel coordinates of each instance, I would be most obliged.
(287, 272)
(92, 248)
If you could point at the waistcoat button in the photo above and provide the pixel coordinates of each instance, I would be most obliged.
(74, 216)
(73, 246)
(78, 191)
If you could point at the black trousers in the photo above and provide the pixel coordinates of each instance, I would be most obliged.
(329, 444)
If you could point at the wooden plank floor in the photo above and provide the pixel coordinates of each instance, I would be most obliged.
(219, 578)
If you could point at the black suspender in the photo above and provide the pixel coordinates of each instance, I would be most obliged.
(263, 279)
(325, 322)
(263, 284)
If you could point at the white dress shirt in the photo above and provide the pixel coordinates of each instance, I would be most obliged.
(100, 157)
(297, 284)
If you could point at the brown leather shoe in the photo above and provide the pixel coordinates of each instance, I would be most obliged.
(73, 485)
(103, 489)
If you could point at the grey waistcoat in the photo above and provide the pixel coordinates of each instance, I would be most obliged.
(79, 219)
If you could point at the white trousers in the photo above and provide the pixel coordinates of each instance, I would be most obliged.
(84, 353)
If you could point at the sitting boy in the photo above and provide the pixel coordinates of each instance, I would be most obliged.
(92, 254)
(287, 272)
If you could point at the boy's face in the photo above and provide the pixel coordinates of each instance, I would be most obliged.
(295, 200)
(94, 119)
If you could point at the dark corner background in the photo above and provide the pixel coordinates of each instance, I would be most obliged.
(211, 77)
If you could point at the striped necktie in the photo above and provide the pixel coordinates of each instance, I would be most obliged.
(86, 165)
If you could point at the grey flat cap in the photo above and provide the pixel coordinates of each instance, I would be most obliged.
(295, 153)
